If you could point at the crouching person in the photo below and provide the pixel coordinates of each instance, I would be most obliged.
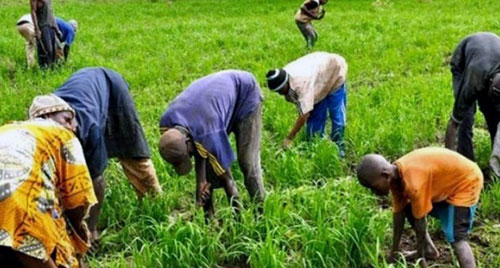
(45, 191)
(433, 181)
(198, 123)
(108, 127)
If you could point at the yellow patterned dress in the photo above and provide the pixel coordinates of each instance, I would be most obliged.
(42, 174)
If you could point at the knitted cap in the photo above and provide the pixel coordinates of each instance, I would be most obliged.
(47, 104)
(276, 79)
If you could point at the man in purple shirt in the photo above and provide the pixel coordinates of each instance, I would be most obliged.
(198, 123)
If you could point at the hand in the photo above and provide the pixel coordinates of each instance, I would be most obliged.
(60, 36)
(204, 193)
(38, 35)
(322, 14)
(393, 256)
(287, 143)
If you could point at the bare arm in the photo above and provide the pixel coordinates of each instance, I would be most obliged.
(421, 230)
(202, 186)
(451, 134)
(299, 123)
(398, 222)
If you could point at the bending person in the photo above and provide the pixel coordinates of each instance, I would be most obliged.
(428, 181)
(316, 84)
(198, 123)
(46, 31)
(108, 126)
(475, 66)
(45, 189)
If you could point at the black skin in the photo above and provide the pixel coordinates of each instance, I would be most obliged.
(64, 118)
(204, 189)
(299, 123)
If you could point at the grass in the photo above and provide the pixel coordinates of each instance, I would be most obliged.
(316, 214)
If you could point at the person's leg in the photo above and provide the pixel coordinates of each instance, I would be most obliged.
(337, 104)
(95, 211)
(27, 31)
(464, 141)
(142, 175)
(45, 46)
(495, 156)
(315, 35)
(431, 251)
(308, 32)
(317, 120)
(248, 136)
(463, 219)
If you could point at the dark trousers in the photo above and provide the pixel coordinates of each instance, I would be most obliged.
(248, 135)
(46, 46)
(465, 145)
(308, 32)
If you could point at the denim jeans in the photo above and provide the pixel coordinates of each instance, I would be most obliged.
(335, 105)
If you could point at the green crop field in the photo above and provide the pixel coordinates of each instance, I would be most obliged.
(316, 214)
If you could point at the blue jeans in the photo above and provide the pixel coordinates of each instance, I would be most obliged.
(335, 105)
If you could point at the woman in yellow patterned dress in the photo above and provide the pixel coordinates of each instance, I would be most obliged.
(45, 189)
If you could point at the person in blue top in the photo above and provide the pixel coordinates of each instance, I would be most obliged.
(107, 125)
(68, 32)
(197, 124)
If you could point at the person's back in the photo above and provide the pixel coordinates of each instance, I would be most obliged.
(67, 31)
(43, 175)
(316, 75)
(220, 99)
(478, 55)
(431, 175)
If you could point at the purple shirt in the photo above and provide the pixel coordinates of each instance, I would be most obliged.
(209, 108)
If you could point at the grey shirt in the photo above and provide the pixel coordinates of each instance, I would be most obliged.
(473, 63)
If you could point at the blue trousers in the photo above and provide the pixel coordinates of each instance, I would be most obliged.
(335, 105)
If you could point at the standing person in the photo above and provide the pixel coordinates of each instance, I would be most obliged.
(46, 31)
(45, 190)
(310, 10)
(198, 123)
(108, 126)
(316, 84)
(433, 181)
(68, 32)
(26, 28)
(475, 66)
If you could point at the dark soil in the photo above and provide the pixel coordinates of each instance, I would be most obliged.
(241, 262)
(409, 242)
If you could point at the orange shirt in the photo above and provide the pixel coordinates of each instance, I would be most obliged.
(42, 174)
(431, 175)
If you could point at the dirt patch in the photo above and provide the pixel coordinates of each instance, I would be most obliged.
(409, 243)
(241, 262)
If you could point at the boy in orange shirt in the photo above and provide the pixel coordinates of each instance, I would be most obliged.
(433, 181)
